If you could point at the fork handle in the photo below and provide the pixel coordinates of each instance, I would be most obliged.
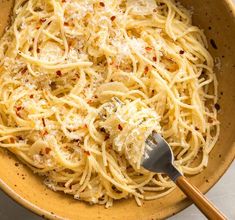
(205, 206)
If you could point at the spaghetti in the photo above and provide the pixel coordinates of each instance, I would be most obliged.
(84, 82)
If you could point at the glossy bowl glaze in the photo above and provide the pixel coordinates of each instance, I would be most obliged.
(217, 18)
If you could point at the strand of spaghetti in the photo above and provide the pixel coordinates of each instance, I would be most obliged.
(47, 65)
(51, 36)
(103, 148)
(35, 43)
(158, 196)
(97, 167)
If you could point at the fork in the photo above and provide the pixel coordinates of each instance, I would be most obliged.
(159, 158)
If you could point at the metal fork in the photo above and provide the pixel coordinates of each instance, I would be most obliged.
(159, 158)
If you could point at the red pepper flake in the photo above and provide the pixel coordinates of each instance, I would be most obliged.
(148, 48)
(44, 133)
(66, 23)
(102, 4)
(113, 18)
(41, 153)
(31, 96)
(106, 137)
(23, 71)
(146, 69)
(181, 52)
(43, 122)
(12, 140)
(102, 130)
(47, 150)
(18, 108)
(155, 10)
(38, 26)
(85, 126)
(38, 50)
(58, 73)
(16, 164)
(20, 138)
(120, 127)
(116, 190)
(63, 1)
(87, 153)
(42, 20)
(154, 59)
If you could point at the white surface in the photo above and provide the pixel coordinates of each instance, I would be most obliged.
(222, 195)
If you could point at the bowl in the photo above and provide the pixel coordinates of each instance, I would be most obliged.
(217, 18)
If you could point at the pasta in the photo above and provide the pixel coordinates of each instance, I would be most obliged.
(83, 83)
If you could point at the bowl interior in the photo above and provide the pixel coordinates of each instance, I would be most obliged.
(217, 18)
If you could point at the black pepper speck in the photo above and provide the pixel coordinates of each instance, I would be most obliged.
(213, 44)
(217, 106)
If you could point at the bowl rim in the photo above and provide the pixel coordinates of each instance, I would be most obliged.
(49, 215)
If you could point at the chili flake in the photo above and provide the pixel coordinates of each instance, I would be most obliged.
(18, 108)
(106, 137)
(12, 140)
(113, 18)
(148, 48)
(42, 20)
(47, 150)
(43, 122)
(87, 153)
(102, 129)
(44, 133)
(120, 127)
(41, 153)
(146, 69)
(58, 73)
(102, 4)
(23, 71)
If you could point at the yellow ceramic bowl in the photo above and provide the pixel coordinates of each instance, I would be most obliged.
(217, 18)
